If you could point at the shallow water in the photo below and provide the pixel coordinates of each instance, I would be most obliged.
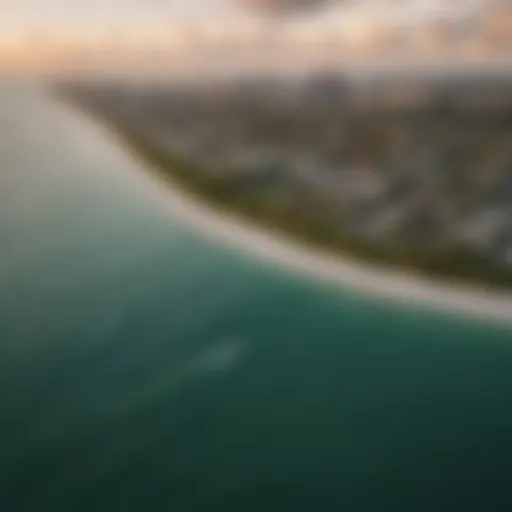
(143, 367)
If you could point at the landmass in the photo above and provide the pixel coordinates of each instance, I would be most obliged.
(414, 174)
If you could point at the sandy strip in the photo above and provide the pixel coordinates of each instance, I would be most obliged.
(404, 287)
(408, 289)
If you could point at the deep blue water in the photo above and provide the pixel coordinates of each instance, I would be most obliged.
(145, 368)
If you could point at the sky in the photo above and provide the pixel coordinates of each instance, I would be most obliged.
(19, 16)
(22, 17)
(39, 31)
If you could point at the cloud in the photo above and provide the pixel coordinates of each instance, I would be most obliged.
(425, 7)
(275, 7)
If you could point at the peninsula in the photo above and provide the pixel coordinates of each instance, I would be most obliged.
(411, 174)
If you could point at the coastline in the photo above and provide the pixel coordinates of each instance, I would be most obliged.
(403, 287)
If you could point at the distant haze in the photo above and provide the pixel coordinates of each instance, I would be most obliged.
(53, 32)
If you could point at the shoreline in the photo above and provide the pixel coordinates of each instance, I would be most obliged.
(405, 288)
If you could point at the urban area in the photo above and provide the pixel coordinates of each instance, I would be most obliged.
(410, 170)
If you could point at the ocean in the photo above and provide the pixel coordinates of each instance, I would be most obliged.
(144, 367)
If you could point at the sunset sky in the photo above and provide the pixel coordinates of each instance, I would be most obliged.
(22, 17)
(25, 16)
(44, 30)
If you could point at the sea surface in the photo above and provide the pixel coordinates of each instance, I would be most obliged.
(146, 368)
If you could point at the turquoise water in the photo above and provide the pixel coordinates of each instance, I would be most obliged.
(143, 367)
